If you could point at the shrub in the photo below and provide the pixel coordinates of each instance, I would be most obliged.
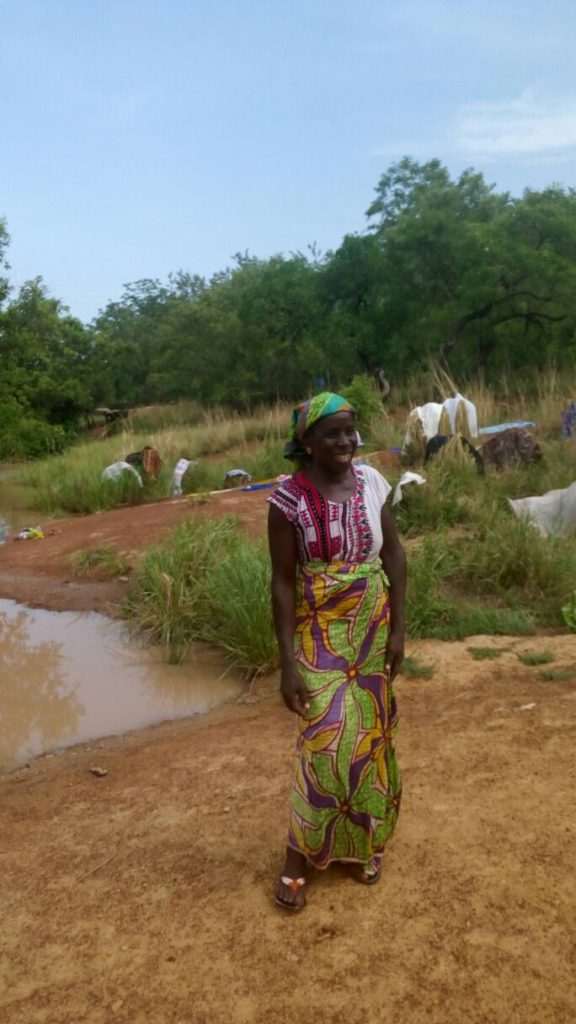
(25, 436)
(103, 558)
(207, 583)
(364, 395)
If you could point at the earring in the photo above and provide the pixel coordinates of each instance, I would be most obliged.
(308, 451)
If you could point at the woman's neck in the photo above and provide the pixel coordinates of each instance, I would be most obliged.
(331, 484)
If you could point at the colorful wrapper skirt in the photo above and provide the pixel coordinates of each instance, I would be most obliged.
(346, 790)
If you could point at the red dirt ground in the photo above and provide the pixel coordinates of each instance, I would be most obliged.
(144, 897)
(39, 572)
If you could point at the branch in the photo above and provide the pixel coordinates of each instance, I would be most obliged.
(477, 314)
(530, 317)
(484, 311)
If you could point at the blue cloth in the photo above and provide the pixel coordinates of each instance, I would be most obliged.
(499, 427)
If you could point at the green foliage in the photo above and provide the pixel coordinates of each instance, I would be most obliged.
(477, 279)
(207, 582)
(569, 613)
(486, 653)
(25, 436)
(557, 675)
(103, 558)
(71, 484)
(432, 610)
(448, 269)
(151, 419)
(536, 657)
(4, 240)
(509, 559)
(449, 497)
(363, 394)
(237, 610)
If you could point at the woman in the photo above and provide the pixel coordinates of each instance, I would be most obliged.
(334, 551)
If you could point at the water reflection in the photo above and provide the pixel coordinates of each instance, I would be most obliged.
(38, 706)
(66, 678)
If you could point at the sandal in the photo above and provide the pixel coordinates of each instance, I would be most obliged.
(295, 884)
(370, 873)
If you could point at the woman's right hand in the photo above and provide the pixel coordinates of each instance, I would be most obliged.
(293, 690)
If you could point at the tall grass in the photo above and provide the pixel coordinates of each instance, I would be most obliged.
(155, 418)
(511, 561)
(71, 483)
(435, 608)
(208, 583)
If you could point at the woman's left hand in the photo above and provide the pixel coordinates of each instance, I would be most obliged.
(394, 654)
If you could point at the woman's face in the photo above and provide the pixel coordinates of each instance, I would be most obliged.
(333, 441)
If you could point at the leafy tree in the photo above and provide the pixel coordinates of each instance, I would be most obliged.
(452, 270)
(45, 353)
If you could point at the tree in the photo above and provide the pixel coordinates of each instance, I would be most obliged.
(45, 355)
(453, 270)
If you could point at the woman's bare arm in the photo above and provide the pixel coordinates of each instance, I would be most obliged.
(394, 563)
(282, 544)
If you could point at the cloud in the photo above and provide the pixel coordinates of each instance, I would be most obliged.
(529, 125)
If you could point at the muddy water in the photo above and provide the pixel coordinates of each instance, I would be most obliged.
(66, 678)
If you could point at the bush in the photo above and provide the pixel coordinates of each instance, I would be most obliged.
(28, 437)
(207, 583)
(364, 395)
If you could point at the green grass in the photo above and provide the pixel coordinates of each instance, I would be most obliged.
(486, 653)
(71, 483)
(474, 568)
(557, 675)
(446, 499)
(508, 559)
(104, 558)
(433, 610)
(536, 657)
(414, 669)
(210, 583)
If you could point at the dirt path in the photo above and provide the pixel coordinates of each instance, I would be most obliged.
(144, 896)
(39, 572)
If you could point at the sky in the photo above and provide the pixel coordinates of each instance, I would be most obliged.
(142, 137)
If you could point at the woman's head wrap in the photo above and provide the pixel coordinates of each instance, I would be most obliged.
(305, 415)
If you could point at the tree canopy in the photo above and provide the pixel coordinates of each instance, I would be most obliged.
(445, 269)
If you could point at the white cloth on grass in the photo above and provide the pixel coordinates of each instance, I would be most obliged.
(551, 513)
(406, 478)
(116, 471)
(181, 467)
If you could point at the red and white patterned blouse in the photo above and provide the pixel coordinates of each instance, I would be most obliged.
(332, 531)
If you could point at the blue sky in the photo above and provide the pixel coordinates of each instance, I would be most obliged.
(141, 137)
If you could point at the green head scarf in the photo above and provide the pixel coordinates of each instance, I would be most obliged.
(305, 415)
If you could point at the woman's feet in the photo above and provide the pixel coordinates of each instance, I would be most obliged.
(291, 887)
(369, 873)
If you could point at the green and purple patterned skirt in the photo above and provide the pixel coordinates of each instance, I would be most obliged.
(346, 791)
